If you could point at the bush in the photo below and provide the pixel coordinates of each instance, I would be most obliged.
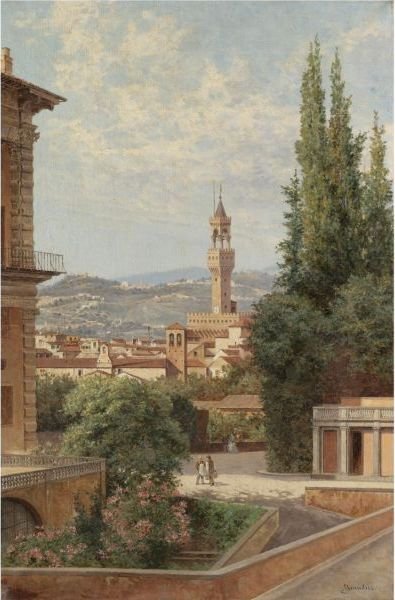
(137, 528)
(51, 393)
(243, 427)
(219, 524)
(130, 425)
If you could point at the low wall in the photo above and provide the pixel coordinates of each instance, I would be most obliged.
(213, 447)
(253, 541)
(351, 502)
(241, 581)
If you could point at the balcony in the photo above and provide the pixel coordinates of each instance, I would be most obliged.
(30, 261)
(353, 413)
(22, 471)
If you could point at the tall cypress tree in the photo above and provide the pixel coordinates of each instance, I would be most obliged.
(312, 154)
(290, 278)
(344, 185)
(377, 229)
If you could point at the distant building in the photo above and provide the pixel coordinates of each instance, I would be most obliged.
(212, 342)
(354, 438)
(247, 404)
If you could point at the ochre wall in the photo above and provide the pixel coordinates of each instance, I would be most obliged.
(12, 435)
(241, 581)
(387, 453)
(54, 501)
(351, 502)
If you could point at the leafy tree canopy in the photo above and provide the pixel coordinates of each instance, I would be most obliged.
(127, 423)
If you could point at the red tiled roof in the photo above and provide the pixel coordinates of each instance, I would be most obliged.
(232, 402)
(153, 363)
(66, 363)
(194, 362)
(176, 325)
(210, 334)
(232, 360)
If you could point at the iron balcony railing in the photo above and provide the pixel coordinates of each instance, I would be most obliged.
(29, 260)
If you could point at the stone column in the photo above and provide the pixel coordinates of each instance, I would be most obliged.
(343, 450)
(376, 450)
(316, 450)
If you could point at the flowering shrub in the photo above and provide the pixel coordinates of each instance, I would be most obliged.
(52, 548)
(146, 527)
(142, 527)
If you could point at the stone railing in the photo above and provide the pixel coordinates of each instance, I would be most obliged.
(57, 468)
(352, 413)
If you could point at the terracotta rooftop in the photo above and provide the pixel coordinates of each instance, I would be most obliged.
(176, 325)
(209, 334)
(66, 363)
(195, 362)
(246, 402)
(153, 363)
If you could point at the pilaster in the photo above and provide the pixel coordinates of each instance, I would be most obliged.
(316, 450)
(344, 450)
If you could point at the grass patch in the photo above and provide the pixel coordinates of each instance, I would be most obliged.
(218, 525)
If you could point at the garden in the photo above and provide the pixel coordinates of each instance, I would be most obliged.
(146, 526)
(143, 431)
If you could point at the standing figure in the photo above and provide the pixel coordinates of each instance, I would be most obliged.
(200, 470)
(210, 470)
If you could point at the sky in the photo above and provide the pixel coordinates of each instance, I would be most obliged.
(163, 98)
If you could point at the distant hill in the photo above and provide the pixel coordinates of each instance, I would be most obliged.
(94, 306)
(156, 277)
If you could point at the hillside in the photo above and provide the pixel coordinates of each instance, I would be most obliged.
(100, 307)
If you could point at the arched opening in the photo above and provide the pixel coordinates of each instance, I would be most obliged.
(17, 518)
(171, 339)
(179, 339)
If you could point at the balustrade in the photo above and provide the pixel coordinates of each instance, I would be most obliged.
(352, 413)
(55, 471)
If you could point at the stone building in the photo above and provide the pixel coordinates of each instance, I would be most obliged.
(220, 262)
(23, 267)
(37, 490)
(201, 347)
(354, 439)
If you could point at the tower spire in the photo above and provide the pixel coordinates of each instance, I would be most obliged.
(213, 197)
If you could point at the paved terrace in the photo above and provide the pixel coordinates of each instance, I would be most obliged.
(239, 480)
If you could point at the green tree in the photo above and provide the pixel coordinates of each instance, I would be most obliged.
(312, 154)
(290, 278)
(180, 396)
(362, 322)
(127, 423)
(51, 393)
(344, 184)
(290, 337)
(377, 228)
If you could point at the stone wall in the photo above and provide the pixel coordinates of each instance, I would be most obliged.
(351, 502)
(253, 541)
(54, 501)
(241, 581)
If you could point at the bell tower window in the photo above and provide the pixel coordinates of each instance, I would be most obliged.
(171, 339)
(179, 339)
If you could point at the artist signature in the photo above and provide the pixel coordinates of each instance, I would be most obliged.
(347, 588)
